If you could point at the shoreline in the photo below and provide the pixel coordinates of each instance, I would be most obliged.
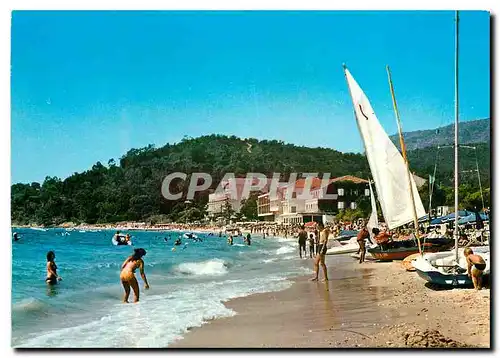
(373, 305)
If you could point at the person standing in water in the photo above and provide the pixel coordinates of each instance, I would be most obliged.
(16, 237)
(316, 240)
(248, 240)
(321, 252)
(127, 274)
(52, 276)
(311, 245)
(302, 241)
(230, 240)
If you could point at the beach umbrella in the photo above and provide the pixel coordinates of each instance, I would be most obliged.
(310, 224)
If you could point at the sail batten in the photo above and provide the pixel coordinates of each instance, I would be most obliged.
(387, 165)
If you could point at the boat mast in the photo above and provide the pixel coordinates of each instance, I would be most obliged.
(455, 231)
(403, 150)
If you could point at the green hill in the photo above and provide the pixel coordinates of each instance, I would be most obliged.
(477, 131)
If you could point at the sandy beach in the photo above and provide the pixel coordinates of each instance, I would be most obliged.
(369, 305)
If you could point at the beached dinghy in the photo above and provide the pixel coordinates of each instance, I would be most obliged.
(347, 248)
(399, 250)
(441, 268)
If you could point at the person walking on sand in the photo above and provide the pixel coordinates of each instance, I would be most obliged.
(363, 234)
(127, 274)
(302, 241)
(475, 267)
(52, 276)
(319, 259)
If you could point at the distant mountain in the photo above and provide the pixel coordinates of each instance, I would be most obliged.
(477, 131)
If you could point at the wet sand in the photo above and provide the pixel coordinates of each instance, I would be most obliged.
(368, 305)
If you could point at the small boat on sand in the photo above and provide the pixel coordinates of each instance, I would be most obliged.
(441, 268)
(343, 248)
(398, 250)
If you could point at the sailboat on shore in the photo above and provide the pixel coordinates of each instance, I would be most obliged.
(399, 198)
(450, 268)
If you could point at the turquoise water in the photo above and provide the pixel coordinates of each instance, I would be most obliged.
(188, 286)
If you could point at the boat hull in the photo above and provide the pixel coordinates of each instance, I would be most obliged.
(441, 279)
(342, 250)
(400, 253)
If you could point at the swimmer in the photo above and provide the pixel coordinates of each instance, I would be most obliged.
(127, 274)
(52, 276)
(16, 237)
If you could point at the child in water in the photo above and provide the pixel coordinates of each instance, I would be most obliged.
(475, 267)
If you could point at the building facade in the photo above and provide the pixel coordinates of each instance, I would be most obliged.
(293, 206)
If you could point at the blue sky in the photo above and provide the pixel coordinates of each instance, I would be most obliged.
(88, 86)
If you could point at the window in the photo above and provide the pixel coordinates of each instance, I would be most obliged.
(294, 209)
(367, 192)
(294, 195)
(353, 205)
(340, 205)
(340, 191)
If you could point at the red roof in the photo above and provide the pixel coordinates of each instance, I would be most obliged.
(350, 178)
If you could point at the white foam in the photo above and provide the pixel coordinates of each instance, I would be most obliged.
(157, 320)
(284, 250)
(215, 267)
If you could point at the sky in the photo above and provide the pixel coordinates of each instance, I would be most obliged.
(89, 86)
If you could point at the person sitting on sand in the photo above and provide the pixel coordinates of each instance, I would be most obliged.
(324, 233)
(302, 241)
(363, 234)
(52, 276)
(127, 274)
(475, 267)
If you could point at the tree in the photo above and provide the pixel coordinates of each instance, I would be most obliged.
(249, 207)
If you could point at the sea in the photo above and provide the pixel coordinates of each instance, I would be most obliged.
(188, 285)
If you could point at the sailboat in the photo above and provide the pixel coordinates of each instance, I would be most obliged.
(399, 199)
(450, 268)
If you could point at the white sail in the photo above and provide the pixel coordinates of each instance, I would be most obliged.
(386, 163)
(373, 221)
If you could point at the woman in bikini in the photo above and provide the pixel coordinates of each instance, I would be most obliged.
(127, 275)
(52, 276)
(321, 252)
(475, 267)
